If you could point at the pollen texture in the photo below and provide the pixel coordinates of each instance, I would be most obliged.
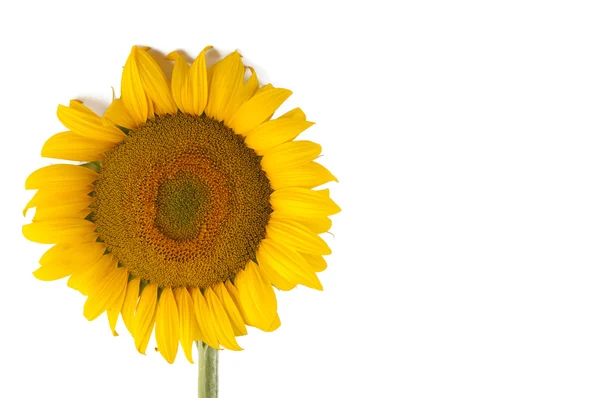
(182, 201)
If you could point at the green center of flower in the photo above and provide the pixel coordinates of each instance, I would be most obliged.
(182, 201)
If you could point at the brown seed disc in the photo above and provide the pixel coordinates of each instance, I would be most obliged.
(182, 201)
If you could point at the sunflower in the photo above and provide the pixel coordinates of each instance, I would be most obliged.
(188, 204)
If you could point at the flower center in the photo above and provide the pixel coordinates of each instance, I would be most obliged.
(182, 201)
(181, 204)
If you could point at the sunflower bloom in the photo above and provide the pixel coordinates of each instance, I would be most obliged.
(191, 205)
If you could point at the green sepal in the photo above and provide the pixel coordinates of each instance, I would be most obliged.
(95, 166)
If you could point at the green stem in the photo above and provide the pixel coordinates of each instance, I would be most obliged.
(208, 371)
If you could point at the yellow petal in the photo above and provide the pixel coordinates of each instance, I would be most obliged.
(296, 114)
(276, 132)
(257, 296)
(234, 314)
(130, 303)
(235, 296)
(308, 175)
(48, 198)
(315, 261)
(226, 80)
(198, 88)
(258, 109)
(61, 205)
(275, 324)
(88, 125)
(64, 230)
(290, 154)
(113, 317)
(223, 327)
(303, 202)
(65, 177)
(54, 269)
(241, 96)
(73, 256)
(188, 326)
(86, 279)
(293, 234)
(115, 309)
(63, 259)
(278, 258)
(106, 293)
(78, 105)
(145, 315)
(167, 325)
(277, 280)
(132, 91)
(179, 83)
(72, 146)
(117, 114)
(154, 82)
(208, 332)
(318, 225)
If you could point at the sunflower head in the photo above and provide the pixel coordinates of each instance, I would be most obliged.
(190, 205)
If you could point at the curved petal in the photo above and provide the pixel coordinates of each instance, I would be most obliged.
(145, 316)
(227, 79)
(117, 114)
(198, 86)
(293, 234)
(106, 293)
(132, 294)
(115, 309)
(257, 296)
(78, 105)
(240, 96)
(234, 314)
(235, 296)
(188, 326)
(154, 82)
(179, 83)
(86, 279)
(60, 205)
(277, 280)
(318, 225)
(167, 325)
(294, 202)
(72, 146)
(221, 321)
(88, 125)
(64, 230)
(290, 154)
(63, 259)
(54, 269)
(61, 176)
(276, 132)
(132, 91)
(274, 325)
(308, 175)
(208, 333)
(280, 259)
(315, 261)
(258, 109)
(45, 198)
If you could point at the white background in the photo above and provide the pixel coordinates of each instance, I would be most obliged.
(465, 136)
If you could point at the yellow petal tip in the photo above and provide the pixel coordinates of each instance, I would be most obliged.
(139, 48)
(173, 56)
(37, 275)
